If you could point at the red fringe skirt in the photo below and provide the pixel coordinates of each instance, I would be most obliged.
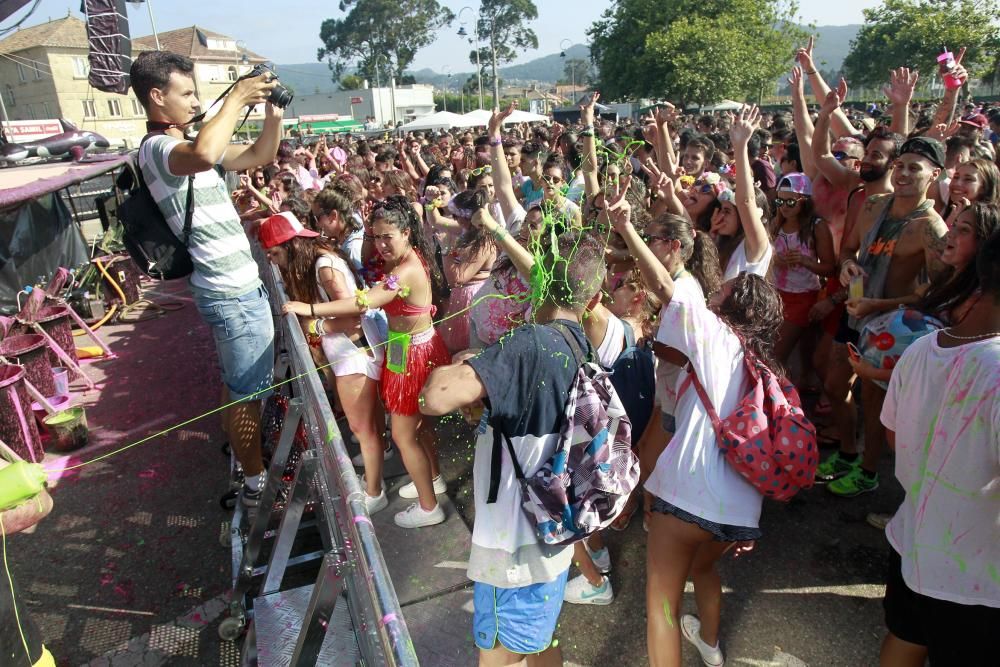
(401, 391)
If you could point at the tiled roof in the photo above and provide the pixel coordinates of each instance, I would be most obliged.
(67, 32)
(191, 42)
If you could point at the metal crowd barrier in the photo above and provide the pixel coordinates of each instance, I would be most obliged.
(352, 568)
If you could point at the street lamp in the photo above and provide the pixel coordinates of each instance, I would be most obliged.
(572, 65)
(462, 32)
(447, 70)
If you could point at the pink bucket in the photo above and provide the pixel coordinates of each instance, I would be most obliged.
(30, 351)
(17, 424)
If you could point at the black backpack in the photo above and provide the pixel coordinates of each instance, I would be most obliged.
(146, 235)
(634, 378)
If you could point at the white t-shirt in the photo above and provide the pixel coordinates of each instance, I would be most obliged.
(943, 405)
(338, 264)
(687, 288)
(738, 263)
(613, 344)
(692, 473)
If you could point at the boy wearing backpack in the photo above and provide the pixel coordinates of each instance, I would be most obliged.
(524, 382)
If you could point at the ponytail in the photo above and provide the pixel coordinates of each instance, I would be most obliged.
(397, 211)
(697, 251)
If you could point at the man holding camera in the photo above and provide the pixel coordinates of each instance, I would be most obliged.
(225, 284)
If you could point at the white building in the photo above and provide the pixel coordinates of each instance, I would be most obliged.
(411, 101)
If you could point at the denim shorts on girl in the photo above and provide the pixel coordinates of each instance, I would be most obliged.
(243, 329)
(522, 619)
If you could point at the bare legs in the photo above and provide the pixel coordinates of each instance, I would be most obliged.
(244, 435)
(411, 434)
(838, 390)
(359, 397)
(675, 549)
(498, 656)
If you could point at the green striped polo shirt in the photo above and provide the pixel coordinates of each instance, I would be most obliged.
(219, 247)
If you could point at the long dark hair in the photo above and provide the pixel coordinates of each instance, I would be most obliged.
(474, 239)
(807, 222)
(952, 290)
(754, 312)
(397, 211)
(697, 251)
(298, 273)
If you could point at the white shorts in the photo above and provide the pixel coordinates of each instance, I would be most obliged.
(346, 358)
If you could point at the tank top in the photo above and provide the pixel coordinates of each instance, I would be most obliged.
(794, 279)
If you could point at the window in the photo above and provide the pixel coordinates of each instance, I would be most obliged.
(38, 71)
(89, 109)
(21, 76)
(80, 67)
(136, 108)
(231, 73)
(10, 96)
(31, 113)
(45, 110)
(220, 44)
(114, 108)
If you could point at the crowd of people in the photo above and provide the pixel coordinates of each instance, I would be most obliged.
(854, 252)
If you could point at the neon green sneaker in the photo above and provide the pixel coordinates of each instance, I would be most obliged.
(834, 467)
(853, 483)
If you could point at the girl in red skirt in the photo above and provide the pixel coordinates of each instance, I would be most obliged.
(413, 350)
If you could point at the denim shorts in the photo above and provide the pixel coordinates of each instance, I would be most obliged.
(243, 330)
(522, 619)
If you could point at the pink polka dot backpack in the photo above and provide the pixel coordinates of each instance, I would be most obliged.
(768, 438)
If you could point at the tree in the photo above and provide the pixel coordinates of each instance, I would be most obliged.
(380, 35)
(693, 50)
(503, 24)
(911, 33)
(575, 70)
(351, 82)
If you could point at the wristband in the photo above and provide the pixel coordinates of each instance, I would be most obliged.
(810, 73)
(588, 128)
(499, 234)
(496, 141)
(586, 133)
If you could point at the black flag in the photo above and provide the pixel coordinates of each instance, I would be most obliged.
(110, 45)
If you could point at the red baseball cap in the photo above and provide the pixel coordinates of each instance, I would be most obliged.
(282, 227)
(976, 120)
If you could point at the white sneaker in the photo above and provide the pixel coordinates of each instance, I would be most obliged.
(580, 591)
(710, 655)
(376, 503)
(602, 558)
(359, 461)
(409, 490)
(416, 516)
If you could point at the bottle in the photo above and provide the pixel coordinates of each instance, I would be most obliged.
(946, 65)
(20, 481)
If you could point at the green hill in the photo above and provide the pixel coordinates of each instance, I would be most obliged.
(832, 45)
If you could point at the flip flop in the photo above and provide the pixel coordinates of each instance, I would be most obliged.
(625, 518)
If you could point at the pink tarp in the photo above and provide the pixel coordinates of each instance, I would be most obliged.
(21, 184)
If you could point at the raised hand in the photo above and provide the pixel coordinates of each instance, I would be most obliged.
(665, 113)
(902, 82)
(835, 98)
(744, 123)
(804, 56)
(587, 109)
(795, 81)
(618, 208)
(498, 117)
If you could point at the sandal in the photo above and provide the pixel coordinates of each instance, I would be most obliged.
(625, 518)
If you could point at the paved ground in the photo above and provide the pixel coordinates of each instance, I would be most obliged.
(128, 569)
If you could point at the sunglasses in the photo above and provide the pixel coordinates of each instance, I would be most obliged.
(487, 169)
(703, 187)
(840, 156)
(553, 180)
(649, 238)
(779, 202)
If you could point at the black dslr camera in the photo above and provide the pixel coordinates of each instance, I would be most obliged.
(280, 96)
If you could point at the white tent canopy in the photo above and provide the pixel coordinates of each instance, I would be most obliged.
(526, 117)
(476, 118)
(724, 105)
(441, 120)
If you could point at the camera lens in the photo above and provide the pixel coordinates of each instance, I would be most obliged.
(280, 96)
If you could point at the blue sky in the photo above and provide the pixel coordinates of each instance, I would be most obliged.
(287, 31)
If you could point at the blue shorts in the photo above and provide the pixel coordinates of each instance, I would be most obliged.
(521, 619)
(243, 330)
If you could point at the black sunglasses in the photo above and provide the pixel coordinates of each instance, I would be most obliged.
(779, 202)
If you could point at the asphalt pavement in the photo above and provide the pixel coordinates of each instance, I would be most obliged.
(128, 568)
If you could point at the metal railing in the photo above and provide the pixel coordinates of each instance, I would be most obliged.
(382, 635)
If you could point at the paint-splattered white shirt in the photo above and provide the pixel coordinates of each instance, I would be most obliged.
(944, 406)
